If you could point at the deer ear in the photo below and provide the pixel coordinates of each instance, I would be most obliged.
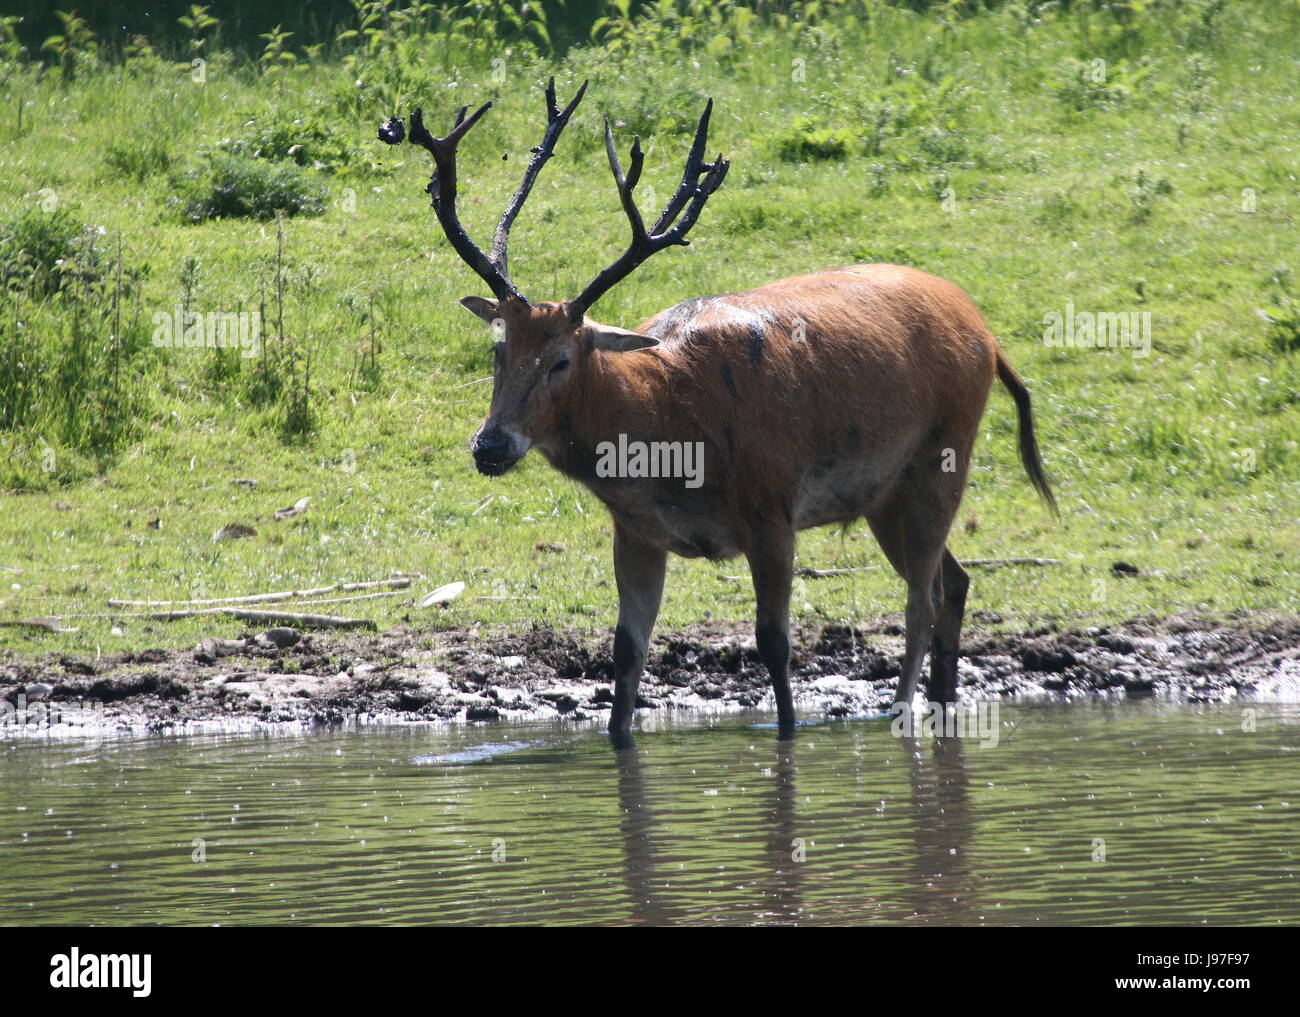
(482, 306)
(618, 340)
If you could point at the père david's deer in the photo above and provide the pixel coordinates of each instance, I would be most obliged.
(821, 398)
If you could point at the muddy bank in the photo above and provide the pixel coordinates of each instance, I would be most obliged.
(286, 678)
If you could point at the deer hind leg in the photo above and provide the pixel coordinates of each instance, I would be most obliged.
(912, 529)
(639, 572)
(771, 563)
(951, 583)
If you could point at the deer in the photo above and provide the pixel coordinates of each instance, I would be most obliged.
(827, 398)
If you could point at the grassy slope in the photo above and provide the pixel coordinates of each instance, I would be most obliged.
(1145, 453)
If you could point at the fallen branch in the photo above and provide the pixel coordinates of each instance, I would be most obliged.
(396, 582)
(345, 600)
(50, 624)
(319, 621)
(808, 573)
(998, 563)
(198, 611)
(310, 621)
(985, 563)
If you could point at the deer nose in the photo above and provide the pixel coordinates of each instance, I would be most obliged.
(493, 452)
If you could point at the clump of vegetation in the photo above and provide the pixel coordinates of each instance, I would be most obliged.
(1096, 85)
(139, 157)
(42, 252)
(227, 186)
(1146, 191)
(366, 373)
(943, 147)
(276, 56)
(75, 50)
(1283, 324)
(199, 25)
(805, 140)
(1058, 210)
(71, 339)
(391, 53)
(297, 420)
(655, 103)
(13, 54)
(306, 140)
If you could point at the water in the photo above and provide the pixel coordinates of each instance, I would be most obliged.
(710, 822)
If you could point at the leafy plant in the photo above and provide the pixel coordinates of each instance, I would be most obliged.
(280, 136)
(390, 51)
(804, 139)
(276, 55)
(1146, 192)
(234, 186)
(43, 253)
(139, 156)
(1097, 85)
(198, 23)
(1283, 324)
(13, 54)
(75, 49)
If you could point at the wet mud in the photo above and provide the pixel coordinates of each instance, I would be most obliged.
(284, 678)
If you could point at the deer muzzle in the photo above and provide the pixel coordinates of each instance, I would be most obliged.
(496, 449)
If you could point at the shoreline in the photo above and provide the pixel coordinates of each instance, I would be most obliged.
(289, 682)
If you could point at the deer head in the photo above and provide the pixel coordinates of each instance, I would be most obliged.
(544, 349)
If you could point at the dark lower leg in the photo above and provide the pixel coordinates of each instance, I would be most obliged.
(771, 563)
(951, 584)
(639, 570)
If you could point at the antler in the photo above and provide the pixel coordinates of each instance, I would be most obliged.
(442, 185)
(442, 189)
(556, 119)
(691, 195)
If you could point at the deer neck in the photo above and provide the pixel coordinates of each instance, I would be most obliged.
(616, 393)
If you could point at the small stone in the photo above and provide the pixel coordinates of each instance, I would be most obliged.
(234, 531)
(412, 701)
(1046, 657)
(281, 637)
(1116, 644)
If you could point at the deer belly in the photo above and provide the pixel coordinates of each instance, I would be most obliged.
(836, 493)
(685, 529)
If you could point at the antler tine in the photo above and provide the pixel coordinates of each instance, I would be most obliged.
(691, 195)
(695, 165)
(625, 184)
(556, 120)
(442, 191)
(716, 172)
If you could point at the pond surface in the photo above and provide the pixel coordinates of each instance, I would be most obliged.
(1132, 813)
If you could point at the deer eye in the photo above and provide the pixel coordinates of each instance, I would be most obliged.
(560, 365)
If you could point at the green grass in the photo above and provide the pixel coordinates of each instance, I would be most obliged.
(969, 147)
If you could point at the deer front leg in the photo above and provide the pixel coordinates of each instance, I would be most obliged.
(771, 563)
(639, 572)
